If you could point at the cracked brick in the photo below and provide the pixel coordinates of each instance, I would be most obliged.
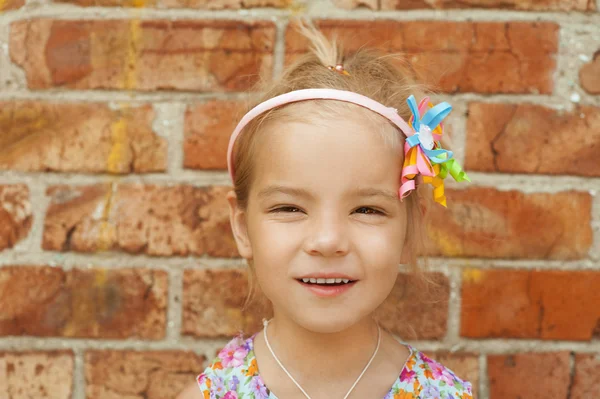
(36, 374)
(15, 214)
(482, 57)
(528, 138)
(146, 55)
(530, 304)
(586, 380)
(88, 138)
(95, 303)
(488, 223)
(137, 218)
(113, 374)
(511, 376)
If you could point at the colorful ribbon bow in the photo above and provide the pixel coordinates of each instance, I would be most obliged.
(423, 152)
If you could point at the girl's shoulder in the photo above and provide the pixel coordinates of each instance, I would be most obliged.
(233, 372)
(423, 377)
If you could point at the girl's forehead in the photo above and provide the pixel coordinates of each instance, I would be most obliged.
(336, 154)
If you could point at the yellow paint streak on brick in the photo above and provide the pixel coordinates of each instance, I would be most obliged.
(87, 305)
(449, 244)
(296, 8)
(473, 275)
(2, 4)
(138, 3)
(120, 146)
(107, 231)
(131, 59)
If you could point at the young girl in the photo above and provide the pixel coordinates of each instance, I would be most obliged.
(327, 172)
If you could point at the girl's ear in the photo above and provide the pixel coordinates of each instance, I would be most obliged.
(237, 218)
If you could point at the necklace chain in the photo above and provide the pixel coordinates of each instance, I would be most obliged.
(266, 323)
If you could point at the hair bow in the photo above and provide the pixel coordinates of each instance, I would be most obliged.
(423, 152)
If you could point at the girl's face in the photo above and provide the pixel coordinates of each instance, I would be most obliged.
(324, 202)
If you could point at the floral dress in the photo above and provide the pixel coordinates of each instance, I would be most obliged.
(234, 375)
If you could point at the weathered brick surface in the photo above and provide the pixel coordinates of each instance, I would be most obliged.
(549, 305)
(529, 138)
(156, 220)
(531, 5)
(589, 75)
(213, 302)
(11, 5)
(71, 137)
(15, 214)
(193, 55)
(139, 375)
(207, 130)
(412, 313)
(464, 365)
(95, 303)
(201, 4)
(484, 57)
(488, 223)
(586, 381)
(40, 375)
(529, 375)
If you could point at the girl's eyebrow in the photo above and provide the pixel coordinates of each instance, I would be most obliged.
(300, 192)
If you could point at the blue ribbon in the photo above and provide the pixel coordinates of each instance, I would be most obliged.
(432, 118)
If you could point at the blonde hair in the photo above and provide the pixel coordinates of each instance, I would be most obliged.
(384, 78)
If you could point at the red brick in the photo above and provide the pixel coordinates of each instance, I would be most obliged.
(464, 365)
(589, 75)
(11, 5)
(201, 4)
(529, 375)
(89, 138)
(530, 304)
(143, 55)
(484, 57)
(135, 218)
(91, 303)
(417, 311)
(512, 138)
(132, 374)
(40, 375)
(488, 223)
(213, 302)
(537, 5)
(207, 130)
(15, 214)
(586, 382)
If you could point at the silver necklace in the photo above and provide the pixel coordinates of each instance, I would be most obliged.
(266, 323)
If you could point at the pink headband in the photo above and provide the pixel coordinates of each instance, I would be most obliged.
(420, 152)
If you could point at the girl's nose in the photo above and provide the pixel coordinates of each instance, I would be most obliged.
(328, 237)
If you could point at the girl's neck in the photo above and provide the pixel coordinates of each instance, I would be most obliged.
(322, 354)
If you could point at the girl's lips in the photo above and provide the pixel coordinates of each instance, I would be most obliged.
(326, 291)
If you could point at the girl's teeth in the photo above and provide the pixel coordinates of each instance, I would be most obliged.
(325, 281)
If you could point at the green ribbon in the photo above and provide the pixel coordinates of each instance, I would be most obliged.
(452, 167)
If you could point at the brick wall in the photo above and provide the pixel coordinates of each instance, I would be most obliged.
(114, 237)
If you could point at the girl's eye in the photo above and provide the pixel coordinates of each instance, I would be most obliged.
(286, 209)
(368, 211)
